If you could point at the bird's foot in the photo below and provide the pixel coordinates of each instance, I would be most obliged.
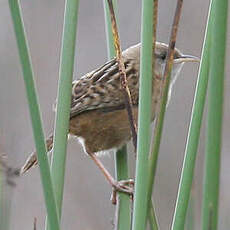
(124, 186)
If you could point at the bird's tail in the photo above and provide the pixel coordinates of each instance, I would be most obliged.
(32, 159)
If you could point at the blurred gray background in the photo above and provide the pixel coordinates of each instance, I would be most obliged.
(87, 194)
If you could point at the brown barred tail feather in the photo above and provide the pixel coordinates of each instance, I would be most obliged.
(32, 159)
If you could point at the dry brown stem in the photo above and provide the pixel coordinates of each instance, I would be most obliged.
(121, 66)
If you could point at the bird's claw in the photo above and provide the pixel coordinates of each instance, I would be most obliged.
(129, 182)
(124, 186)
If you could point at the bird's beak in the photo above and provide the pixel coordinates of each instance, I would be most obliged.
(186, 58)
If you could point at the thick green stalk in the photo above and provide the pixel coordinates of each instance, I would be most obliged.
(152, 218)
(35, 115)
(64, 99)
(123, 212)
(193, 135)
(215, 112)
(144, 118)
(190, 217)
(111, 53)
(123, 215)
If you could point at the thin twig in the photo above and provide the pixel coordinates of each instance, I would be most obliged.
(121, 66)
(155, 15)
(151, 210)
(172, 43)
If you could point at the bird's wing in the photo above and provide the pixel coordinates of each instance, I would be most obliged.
(101, 88)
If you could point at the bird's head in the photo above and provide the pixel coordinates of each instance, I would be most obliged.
(179, 59)
(161, 51)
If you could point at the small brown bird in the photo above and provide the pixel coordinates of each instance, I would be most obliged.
(98, 117)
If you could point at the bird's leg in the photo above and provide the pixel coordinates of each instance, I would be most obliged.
(120, 186)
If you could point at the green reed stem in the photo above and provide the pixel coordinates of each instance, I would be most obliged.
(124, 202)
(144, 118)
(215, 113)
(193, 134)
(152, 218)
(64, 98)
(111, 53)
(190, 217)
(35, 115)
(160, 117)
(123, 216)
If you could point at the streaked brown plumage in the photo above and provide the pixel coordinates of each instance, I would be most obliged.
(98, 115)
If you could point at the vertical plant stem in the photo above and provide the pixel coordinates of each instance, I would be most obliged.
(152, 218)
(144, 118)
(215, 112)
(111, 52)
(193, 134)
(35, 115)
(160, 118)
(151, 211)
(64, 99)
(123, 212)
(190, 217)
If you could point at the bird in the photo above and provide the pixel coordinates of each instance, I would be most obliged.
(98, 117)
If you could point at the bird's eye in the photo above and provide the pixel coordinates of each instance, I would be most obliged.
(163, 55)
